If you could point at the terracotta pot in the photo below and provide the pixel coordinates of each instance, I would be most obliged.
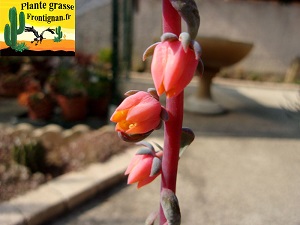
(41, 110)
(72, 108)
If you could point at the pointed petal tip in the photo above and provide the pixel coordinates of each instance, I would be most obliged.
(156, 167)
(126, 172)
(185, 39)
(168, 37)
(153, 93)
(145, 151)
(200, 67)
(151, 218)
(146, 144)
(197, 49)
(131, 92)
(149, 51)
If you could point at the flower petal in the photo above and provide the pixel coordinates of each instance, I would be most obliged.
(134, 161)
(144, 126)
(147, 181)
(132, 100)
(141, 171)
(185, 78)
(119, 115)
(145, 111)
(158, 65)
(181, 71)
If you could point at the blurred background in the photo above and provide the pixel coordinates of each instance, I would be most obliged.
(271, 26)
(251, 40)
(54, 110)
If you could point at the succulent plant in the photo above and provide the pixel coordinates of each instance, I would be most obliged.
(32, 155)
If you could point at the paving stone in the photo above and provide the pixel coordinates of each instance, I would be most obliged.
(10, 215)
(110, 172)
(75, 187)
(39, 205)
(64, 192)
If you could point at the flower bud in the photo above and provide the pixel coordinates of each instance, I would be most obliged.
(173, 67)
(144, 167)
(137, 115)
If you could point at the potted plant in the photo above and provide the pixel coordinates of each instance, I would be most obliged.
(99, 92)
(41, 67)
(11, 80)
(70, 92)
(40, 105)
(11, 85)
(11, 64)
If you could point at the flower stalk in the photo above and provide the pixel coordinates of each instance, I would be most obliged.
(174, 106)
(171, 146)
(174, 62)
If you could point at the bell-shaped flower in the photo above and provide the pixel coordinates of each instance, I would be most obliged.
(174, 63)
(144, 167)
(139, 113)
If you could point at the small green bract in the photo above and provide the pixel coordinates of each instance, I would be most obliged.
(20, 47)
(57, 39)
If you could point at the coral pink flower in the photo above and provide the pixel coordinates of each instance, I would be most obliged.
(137, 114)
(141, 167)
(172, 67)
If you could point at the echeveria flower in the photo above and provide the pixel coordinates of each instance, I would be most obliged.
(139, 113)
(173, 67)
(144, 167)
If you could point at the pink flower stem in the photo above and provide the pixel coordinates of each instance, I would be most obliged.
(174, 106)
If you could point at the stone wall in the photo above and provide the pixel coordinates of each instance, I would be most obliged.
(93, 28)
(273, 29)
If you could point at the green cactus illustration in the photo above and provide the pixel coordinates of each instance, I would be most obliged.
(59, 34)
(20, 47)
(11, 31)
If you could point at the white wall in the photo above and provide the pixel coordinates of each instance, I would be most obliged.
(274, 29)
(93, 28)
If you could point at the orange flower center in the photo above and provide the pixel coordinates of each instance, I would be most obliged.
(125, 125)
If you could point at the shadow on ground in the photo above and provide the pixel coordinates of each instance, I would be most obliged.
(246, 117)
(243, 167)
